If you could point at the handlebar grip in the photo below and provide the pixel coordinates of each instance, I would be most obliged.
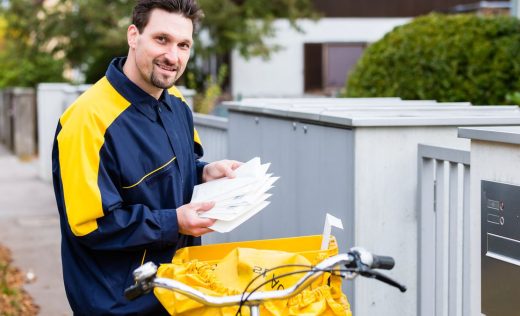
(383, 262)
(133, 292)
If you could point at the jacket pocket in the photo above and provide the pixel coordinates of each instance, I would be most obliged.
(151, 176)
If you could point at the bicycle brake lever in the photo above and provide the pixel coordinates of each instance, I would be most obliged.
(383, 278)
(143, 277)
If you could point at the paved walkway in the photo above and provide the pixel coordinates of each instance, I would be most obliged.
(29, 226)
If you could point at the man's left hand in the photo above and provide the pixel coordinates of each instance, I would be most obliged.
(220, 169)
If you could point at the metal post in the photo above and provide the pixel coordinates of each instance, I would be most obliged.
(255, 310)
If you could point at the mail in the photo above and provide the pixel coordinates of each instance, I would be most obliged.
(238, 199)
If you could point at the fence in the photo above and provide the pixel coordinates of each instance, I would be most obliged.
(18, 121)
(443, 276)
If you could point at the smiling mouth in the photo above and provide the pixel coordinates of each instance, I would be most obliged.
(166, 67)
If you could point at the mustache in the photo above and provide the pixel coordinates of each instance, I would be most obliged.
(164, 63)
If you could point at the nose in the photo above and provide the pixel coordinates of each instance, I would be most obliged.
(172, 54)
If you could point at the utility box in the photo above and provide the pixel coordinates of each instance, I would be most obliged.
(500, 248)
(495, 236)
(355, 159)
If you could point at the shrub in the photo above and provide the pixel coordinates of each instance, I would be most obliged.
(445, 58)
(513, 98)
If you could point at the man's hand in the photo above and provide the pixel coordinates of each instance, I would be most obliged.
(220, 169)
(189, 221)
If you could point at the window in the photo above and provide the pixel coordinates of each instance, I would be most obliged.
(327, 65)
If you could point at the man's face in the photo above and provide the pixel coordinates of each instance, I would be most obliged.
(161, 51)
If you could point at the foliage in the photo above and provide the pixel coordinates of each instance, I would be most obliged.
(87, 34)
(205, 102)
(513, 98)
(443, 57)
(3, 28)
(92, 32)
(13, 298)
(24, 61)
(244, 25)
(28, 69)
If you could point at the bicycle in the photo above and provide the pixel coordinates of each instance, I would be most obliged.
(356, 262)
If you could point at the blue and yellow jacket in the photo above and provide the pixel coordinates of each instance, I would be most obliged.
(122, 163)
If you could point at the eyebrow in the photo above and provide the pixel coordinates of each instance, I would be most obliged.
(168, 36)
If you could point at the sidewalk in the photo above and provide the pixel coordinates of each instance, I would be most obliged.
(29, 226)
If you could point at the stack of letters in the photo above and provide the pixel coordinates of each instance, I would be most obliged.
(238, 199)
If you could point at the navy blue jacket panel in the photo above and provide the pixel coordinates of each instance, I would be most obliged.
(123, 162)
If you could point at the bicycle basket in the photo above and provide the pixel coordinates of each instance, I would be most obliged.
(226, 269)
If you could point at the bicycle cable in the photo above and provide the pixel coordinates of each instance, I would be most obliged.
(244, 300)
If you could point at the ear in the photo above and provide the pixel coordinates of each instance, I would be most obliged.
(131, 36)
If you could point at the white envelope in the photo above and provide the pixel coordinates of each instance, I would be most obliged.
(227, 226)
(231, 212)
(260, 186)
(237, 199)
(212, 190)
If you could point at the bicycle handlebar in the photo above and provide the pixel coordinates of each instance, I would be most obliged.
(370, 260)
(358, 262)
(383, 262)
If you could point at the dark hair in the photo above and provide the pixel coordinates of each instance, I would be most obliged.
(187, 8)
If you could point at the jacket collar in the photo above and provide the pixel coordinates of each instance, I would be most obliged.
(143, 101)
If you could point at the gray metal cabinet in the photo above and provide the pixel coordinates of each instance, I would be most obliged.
(315, 166)
(356, 159)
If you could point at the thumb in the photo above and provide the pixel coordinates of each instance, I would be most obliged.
(204, 206)
(235, 164)
(228, 172)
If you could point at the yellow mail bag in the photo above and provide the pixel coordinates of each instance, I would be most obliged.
(226, 269)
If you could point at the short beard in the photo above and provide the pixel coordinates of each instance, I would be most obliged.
(161, 84)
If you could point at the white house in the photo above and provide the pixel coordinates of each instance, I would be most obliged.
(318, 59)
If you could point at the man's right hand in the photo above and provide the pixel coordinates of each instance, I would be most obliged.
(189, 221)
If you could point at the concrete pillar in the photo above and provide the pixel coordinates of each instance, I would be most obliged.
(2, 117)
(6, 114)
(24, 122)
(52, 100)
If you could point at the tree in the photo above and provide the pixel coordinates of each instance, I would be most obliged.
(90, 33)
(87, 34)
(24, 60)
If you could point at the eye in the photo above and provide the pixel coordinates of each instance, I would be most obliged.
(184, 45)
(161, 39)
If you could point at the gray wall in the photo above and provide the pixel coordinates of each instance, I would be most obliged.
(213, 135)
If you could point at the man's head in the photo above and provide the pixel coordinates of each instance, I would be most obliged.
(160, 41)
(187, 8)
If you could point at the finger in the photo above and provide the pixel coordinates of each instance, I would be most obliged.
(203, 206)
(204, 222)
(206, 230)
(235, 164)
(228, 171)
(201, 231)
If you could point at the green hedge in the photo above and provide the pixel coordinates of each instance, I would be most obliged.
(445, 58)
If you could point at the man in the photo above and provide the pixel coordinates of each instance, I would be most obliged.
(125, 161)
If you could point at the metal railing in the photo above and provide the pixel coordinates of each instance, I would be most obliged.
(443, 274)
(213, 134)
